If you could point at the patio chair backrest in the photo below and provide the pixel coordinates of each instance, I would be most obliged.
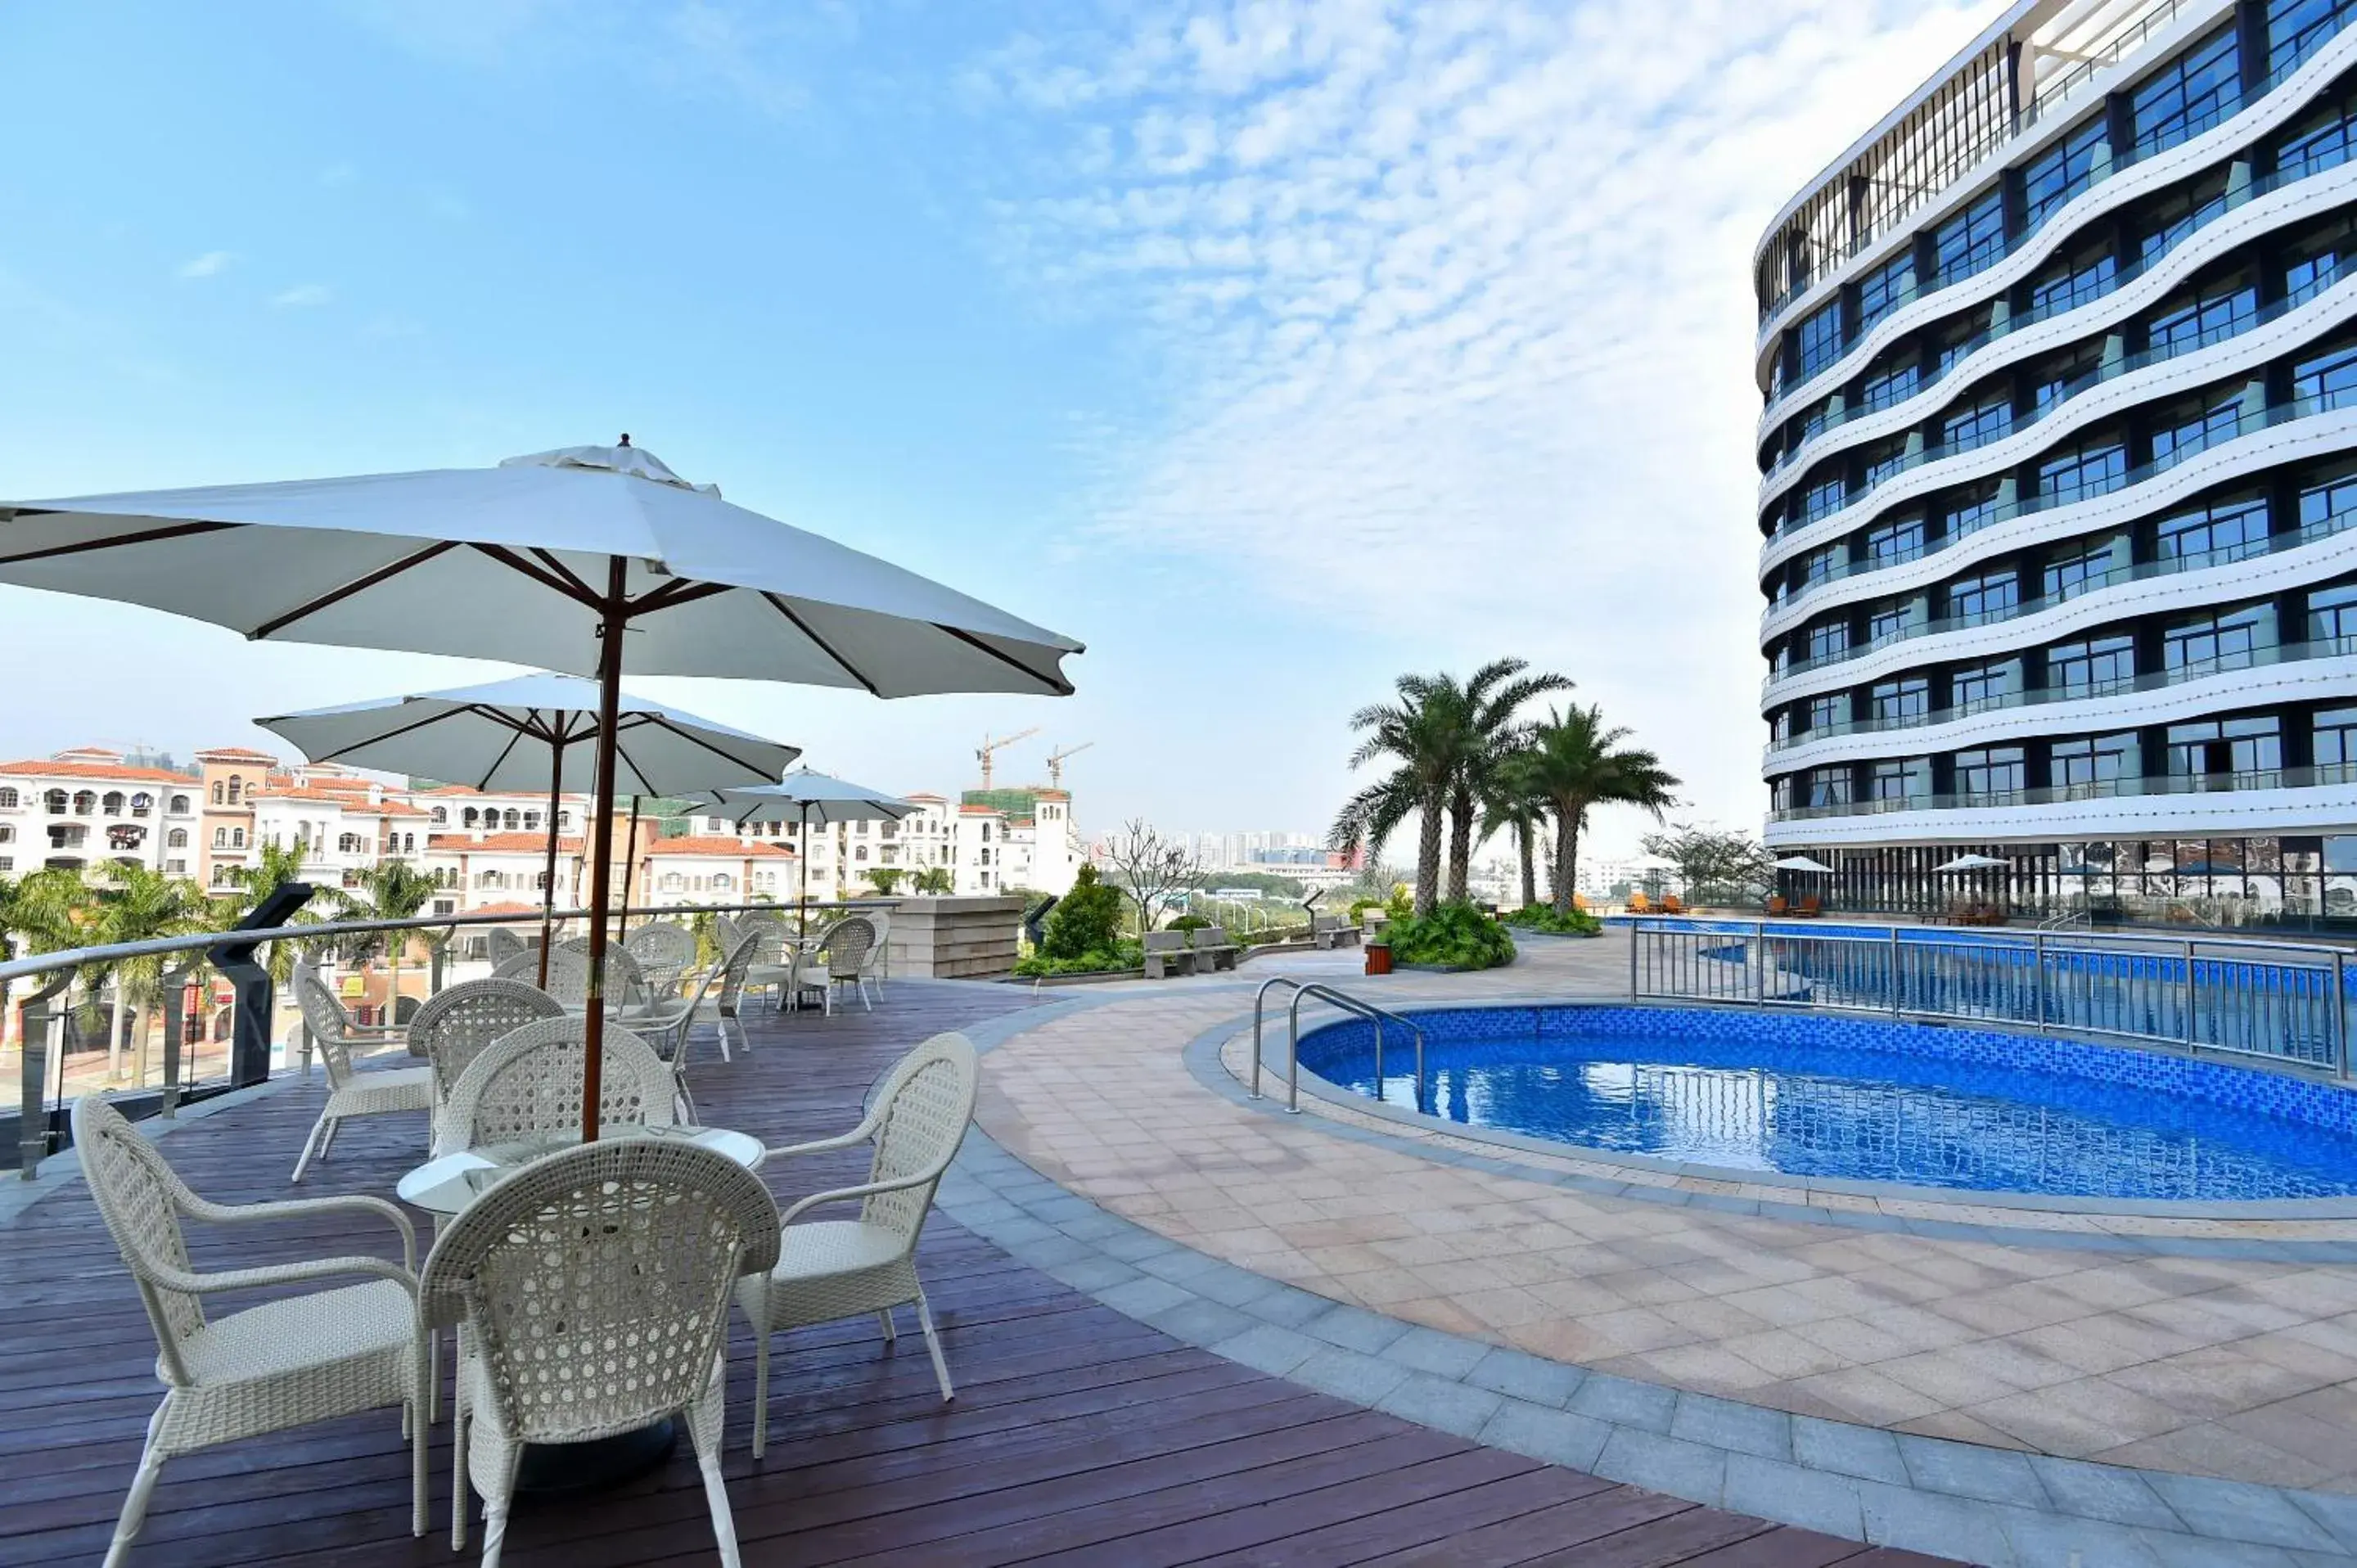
(503, 943)
(140, 1197)
(846, 944)
(595, 1283)
(661, 947)
(925, 1103)
(623, 976)
(329, 1025)
(529, 1084)
(457, 1025)
(524, 966)
(881, 921)
(735, 967)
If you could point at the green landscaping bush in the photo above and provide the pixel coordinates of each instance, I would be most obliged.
(1086, 922)
(1401, 906)
(1543, 918)
(1458, 936)
(1189, 923)
(1122, 955)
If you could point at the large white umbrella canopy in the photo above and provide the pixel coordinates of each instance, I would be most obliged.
(535, 733)
(812, 800)
(1974, 861)
(1801, 863)
(590, 560)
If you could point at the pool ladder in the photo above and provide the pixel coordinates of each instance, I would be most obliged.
(1303, 991)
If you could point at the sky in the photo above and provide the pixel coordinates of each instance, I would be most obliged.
(1270, 348)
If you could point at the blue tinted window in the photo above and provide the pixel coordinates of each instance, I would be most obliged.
(2088, 566)
(1883, 461)
(1885, 289)
(1989, 597)
(1831, 637)
(1904, 781)
(1991, 770)
(1976, 426)
(1820, 340)
(2188, 95)
(1896, 542)
(2318, 142)
(2228, 640)
(2328, 379)
(2093, 758)
(2181, 434)
(2297, 29)
(2102, 663)
(1979, 685)
(1829, 786)
(2086, 277)
(1893, 385)
(1970, 240)
(1908, 699)
(2063, 172)
(2316, 263)
(2089, 470)
(2228, 531)
(2327, 505)
(1887, 622)
(2332, 613)
(2215, 310)
(1822, 501)
(2059, 378)
(2179, 214)
(1967, 512)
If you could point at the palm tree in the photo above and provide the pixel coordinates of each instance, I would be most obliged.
(1424, 734)
(1492, 734)
(1512, 804)
(40, 911)
(1577, 761)
(138, 904)
(389, 890)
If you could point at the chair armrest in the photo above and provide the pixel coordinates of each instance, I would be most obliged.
(284, 1275)
(197, 1208)
(858, 1135)
(865, 1190)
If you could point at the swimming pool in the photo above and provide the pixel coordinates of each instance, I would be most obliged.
(1848, 1100)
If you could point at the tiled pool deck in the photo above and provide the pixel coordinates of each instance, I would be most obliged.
(1986, 1382)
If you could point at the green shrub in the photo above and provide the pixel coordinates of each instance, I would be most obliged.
(1543, 918)
(1457, 935)
(1189, 923)
(1270, 934)
(1401, 906)
(1120, 955)
(1086, 921)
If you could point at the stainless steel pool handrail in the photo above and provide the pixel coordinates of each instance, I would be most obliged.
(1302, 989)
(2275, 1002)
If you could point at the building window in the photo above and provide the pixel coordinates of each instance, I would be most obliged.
(1885, 289)
(221, 838)
(2184, 98)
(514, 820)
(2228, 640)
(1820, 340)
(1969, 512)
(2317, 143)
(1971, 240)
(440, 817)
(180, 806)
(1824, 499)
(1977, 425)
(2215, 310)
(2326, 380)
(2089, 566)
(1828, 639)
(2188, 429)
(1888, 621)
(2089, 760)
(1993, 595)
(1829, 786)
(237, 838)
(2251, 744)
(8, 799)
(2093, 665)
(1893, 543)
(1991, 770)
(177, 839)
(1901, 780)
(1977, 686)
(2297, 29)
(236, 789)
(1897, 702)
(2088, 275)
(1827, 711)
(217, 792)
(1896, 384)
(2062, 173)
(2094, 469)
(2332, 613)
(54, 802)
(7, 833)
(2227, 531)
(2179, 213)
(2335, 743)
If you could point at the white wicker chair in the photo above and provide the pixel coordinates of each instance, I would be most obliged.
(834, 1269)
(457, 1025)
(351, 1091)
(666, 952)
(593, 1286)
(873, 969)
(529, 1085)
(848, 943)
(524, 966)
(669, 1027)
(288, 1362)
(503, 943)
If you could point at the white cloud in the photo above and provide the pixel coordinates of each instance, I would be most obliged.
(1456, 307)
(302, 295)
(209, 265)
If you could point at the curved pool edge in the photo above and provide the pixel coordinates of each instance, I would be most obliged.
(2320, 1230)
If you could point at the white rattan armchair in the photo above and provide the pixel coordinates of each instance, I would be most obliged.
(848, 944)
(288, 1362)
(666, 952)
(879, 951)
(351, 1091)
(457, 1025)
(593, 1286)
(529, 1085)
(502, 943)
(828, 1270)
(670, 1026)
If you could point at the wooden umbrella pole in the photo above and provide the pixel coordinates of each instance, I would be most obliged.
(629, 862)
(616, 618)
(548, 872)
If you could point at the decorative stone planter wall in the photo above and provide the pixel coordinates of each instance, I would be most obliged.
(955, 938)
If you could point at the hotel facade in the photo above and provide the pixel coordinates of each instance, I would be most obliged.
(2058, 457)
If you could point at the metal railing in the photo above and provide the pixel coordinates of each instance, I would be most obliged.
(2284, 1004)
(1302, 989)
(43, 1015)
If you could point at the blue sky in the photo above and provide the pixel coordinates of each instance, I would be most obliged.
(1270, 348)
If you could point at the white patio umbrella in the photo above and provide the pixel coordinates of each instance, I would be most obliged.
(1800, 863)
(1973, 862)
(813, 799)
(537, 733)
(592, 560)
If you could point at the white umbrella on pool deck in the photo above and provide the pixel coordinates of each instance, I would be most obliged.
(813, 799)
(537, 733)
(1800, 863)
(1973, 862)
(593, 560)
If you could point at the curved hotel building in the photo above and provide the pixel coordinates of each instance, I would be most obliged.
(2059, 471)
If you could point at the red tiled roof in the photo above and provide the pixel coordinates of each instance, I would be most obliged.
(331, 797)
(51, 768)
(238, 753)
(720, 848)
(501, 844)
(510, 908)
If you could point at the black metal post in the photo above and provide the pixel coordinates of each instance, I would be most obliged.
(249, 1056)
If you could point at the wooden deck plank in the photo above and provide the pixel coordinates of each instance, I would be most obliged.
(1079, 1436)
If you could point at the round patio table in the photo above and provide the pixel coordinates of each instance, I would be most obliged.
(447, 1184)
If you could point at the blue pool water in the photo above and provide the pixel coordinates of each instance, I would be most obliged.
(1855, 1100)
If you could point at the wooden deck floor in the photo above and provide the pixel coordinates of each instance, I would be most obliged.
(1079, 1436)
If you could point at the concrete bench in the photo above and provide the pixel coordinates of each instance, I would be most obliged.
(1327, 932)
(1213, 950)
(1167, 953)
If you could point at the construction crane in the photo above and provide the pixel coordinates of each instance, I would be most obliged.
(1055, 763)
(989, 746)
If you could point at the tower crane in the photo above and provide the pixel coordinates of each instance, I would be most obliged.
(1055, 763)
(989, 746)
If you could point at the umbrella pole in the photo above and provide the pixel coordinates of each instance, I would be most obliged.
(548, 872)
(804, 847)
(614, 619)
(629, 862)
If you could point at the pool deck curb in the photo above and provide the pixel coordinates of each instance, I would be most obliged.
(1931, 1495)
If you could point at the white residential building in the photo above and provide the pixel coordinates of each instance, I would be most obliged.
(87, 807)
